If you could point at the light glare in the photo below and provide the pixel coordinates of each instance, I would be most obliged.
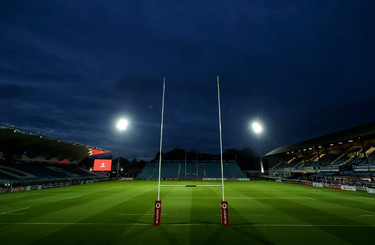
(257, 127)
(122, 124)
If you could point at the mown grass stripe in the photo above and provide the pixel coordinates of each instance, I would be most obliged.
(186, 224)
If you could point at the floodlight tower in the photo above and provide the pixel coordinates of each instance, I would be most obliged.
(258, 129)
(122, 125)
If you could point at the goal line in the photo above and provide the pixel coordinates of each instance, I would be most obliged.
(191, 186)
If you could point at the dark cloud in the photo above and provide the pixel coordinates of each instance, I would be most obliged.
(72, 68)
(138, 86)
(10, 91)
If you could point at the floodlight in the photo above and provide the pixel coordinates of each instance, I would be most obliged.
(257, 127)
(122, 124)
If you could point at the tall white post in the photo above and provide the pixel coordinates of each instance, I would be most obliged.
(221, 139)
(161, 137)
(185, 165)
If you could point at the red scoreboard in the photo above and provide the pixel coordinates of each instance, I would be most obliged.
(102, 165)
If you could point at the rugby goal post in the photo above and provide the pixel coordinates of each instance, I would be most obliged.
(223, 203)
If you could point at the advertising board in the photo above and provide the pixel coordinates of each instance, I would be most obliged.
(102, 165)
(335, 186)
(316, 184)
(17, 189)
(348, 188)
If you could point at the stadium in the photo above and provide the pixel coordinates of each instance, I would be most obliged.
(287, 158)
(316, 191)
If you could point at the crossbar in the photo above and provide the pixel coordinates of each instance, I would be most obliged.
(190, 185)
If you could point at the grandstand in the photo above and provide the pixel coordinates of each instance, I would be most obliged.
(191, 170)
(39, 173)
(349, 152)
(30, 158)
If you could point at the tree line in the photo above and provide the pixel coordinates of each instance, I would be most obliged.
(246, 158)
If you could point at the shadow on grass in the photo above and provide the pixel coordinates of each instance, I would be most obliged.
(318, 218)
(206, 226)
(102, 227)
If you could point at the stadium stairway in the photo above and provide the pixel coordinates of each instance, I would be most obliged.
(229, 170)
(153, 170)
(236, 171)
(147, 171)
(204, 170)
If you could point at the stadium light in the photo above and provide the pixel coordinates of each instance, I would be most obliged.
(258, 129)
(122, 125)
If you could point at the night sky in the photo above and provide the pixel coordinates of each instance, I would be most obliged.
(70, 69)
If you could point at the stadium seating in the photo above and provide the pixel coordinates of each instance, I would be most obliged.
(214, 171)
(191, 170)
(32, 173)
(147, 171)
(352, 157)
(371, 158)
(169, 170)
(235, 169)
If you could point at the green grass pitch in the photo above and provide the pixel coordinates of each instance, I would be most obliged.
(121, 212)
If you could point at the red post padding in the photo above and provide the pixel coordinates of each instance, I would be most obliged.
(157, 213)
(224, 213)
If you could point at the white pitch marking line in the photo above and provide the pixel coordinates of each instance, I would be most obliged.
(73, 197)
(15, 214)
(248, 215)
(147, 224)
(368, 215)
(13, 197)
(311, 198)
(365, 211)
(307, 225)
(138, 214)
(239, 198)
(245, 215)
(12, 211)
(191, 197)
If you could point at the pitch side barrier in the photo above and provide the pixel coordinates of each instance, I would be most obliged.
(47, 186)
(325, 185)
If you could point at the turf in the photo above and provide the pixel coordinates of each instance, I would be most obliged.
(121, 212)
